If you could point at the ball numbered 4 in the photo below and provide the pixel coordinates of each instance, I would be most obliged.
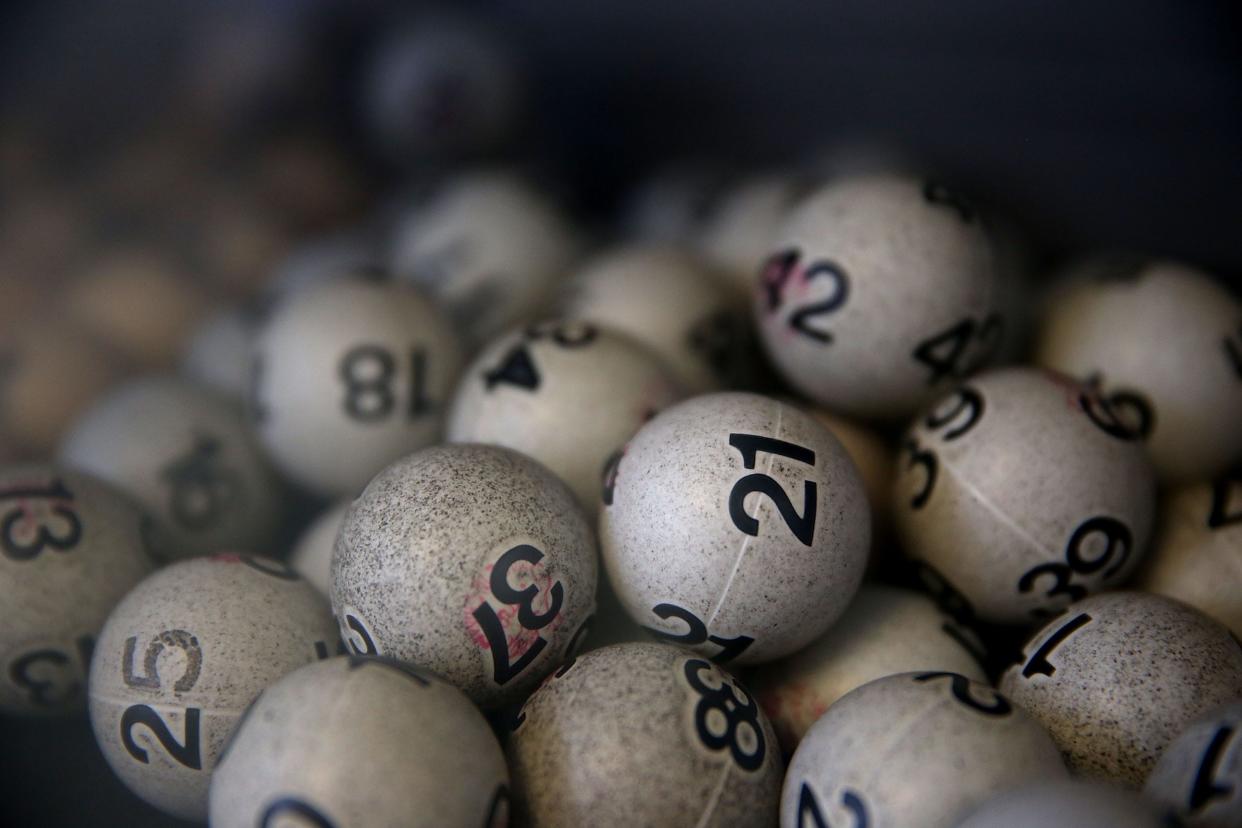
(1200, 774)
(188, 457)
(879, 291)
(1197, 554)
(1165, 343)
(472, 561)
(643, 734)
(1020, 489)
(71, 546)
(913, 749)
(181, 657)
(356, 741)
(1068, 804)
(539, 390)
(670, 301)
(351, 374)
(1118, 676)
(884, 631)
(735, 525)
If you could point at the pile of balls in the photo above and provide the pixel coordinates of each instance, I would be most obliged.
(796, 507)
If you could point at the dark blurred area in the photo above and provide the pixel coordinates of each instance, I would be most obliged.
(227, 132)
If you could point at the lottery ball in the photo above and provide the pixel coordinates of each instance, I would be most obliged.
(188, 457)
(878, 292)
(358, 741)
(1199, 775)
(739, 232)
(914, 749)
(670, 301)
(884, 631)
(474, 562)
(873, 457)
(1197, 550)
(736, 526)
(218, 353)
(488, 248)
(1119, 675)
(1068, 804)
(350, 375)
(1021, 489)
(312, 554)
(181, 657)
(71, 546)
(538, 391)
(643, 734)
(1164, 344)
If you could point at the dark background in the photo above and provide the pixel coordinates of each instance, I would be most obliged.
(1098, 124)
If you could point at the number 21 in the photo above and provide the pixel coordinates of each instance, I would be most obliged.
(749, 446)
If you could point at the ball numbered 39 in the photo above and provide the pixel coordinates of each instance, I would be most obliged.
(472, 561)
(181, 657)
(71, 546)
(735, 525)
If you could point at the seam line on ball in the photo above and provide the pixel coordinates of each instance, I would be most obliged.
(715, 800)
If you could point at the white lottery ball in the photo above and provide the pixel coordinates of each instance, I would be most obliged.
(884, 631)
(878, 291)
(352, 742)
(1118, 676)
(181, 657)
(1199, 775)
(644, 734)
(1023, 492)
(189, 458)
(351, 375)
(1165, 344)
(71, 546)
(539, 391)
(472, 561)
(312, 553)
(913, 749)
(736, 526)
(1068, 804)
(218, 353)
(670, 301)
(489, 248)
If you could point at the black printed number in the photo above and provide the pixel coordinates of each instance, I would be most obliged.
(1206, 788)
(368, 372)
(187, 751)
(809, 813)
(52, 690)
(696, 633)
(783, 266)
(749, 446)
(517, 367)
(1117, 542)
(952, 418)
(1223, 491)
(358, 632)
(149, 678)
(1038, 663)
(201, 488)
(726, 717)
(1124, 414)
(960, 350)
(998, 705)
(61, 535)
(503, 670)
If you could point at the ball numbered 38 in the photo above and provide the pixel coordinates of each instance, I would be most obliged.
(356, 741)
(350, 375)
(643, 734)
(71, 546)
(1023, 491)
(181, 657)
(472, 561)
(735, 525)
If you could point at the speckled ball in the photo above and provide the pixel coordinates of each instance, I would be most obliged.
(1119, 675)
(1023, 491)
(736, 526)
(1165, 341)
(181, 657)
(312, 553)
(877, 293)
(539, 391)
(644, 734)
(1199, 775)
(669, 300)
(71, 546)
(352, 742)
(472, 561)
(189, 458)
(913, 749)
(1196, 556)
(1068, 804)
(489, 248)
(885, 631)
(351, 374)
